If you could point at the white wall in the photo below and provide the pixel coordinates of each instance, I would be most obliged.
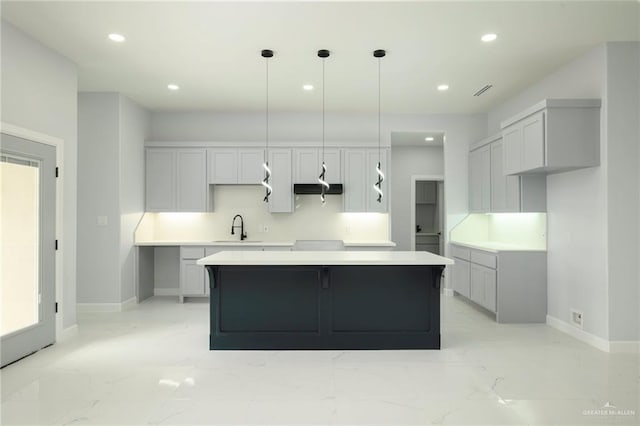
(39, 93)
(98, 195)
(407, 161)
(134, 128)
(623, 73)
(593, 212)
(576, 202)
(459, 131)
(111, 133)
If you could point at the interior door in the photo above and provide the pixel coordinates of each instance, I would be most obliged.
(27, 251)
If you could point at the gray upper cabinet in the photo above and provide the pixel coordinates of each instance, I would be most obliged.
(160, 180)
(355, 194)
(480, 180)
(308, 164)
(250, 171)
(176, 180)
(360, 176)
(491, 190)
(192, 180)
(235, 166)
(223, 166)
(281, 200)
(555, 135)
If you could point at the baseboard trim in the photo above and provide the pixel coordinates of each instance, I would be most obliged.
(67, 333)
(107, 307)
(583, 336)
(166, 291)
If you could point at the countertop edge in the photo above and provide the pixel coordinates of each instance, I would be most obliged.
(497, 250)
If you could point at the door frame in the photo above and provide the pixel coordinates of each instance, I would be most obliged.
(20, 132)
(412, 208)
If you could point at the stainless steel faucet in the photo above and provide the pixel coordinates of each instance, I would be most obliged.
(243, 235)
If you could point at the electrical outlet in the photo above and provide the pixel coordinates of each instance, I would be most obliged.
(576, 318)
(347, 229)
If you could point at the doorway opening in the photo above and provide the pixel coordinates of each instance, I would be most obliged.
(428, 215)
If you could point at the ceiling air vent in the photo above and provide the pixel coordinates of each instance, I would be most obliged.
(484, 89)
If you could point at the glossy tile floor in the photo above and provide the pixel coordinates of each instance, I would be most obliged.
(151, 365)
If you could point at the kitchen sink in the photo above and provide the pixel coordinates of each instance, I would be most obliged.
(236, 241)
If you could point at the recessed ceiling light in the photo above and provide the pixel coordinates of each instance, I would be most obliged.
(443, 87)
(118, 38)
(173, 87)
(429, 139)
(308, 87)
(489, 37)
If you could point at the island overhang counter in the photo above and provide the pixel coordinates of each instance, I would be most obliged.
(324, 299)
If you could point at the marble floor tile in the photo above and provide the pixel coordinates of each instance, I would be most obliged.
(152, 365)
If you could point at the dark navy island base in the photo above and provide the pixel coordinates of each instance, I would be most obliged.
(325, 307)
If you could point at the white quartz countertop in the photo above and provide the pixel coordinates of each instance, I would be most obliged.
(495, 247)
(324, 258)
(237, 243)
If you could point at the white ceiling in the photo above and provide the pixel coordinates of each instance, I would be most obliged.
(212, 49)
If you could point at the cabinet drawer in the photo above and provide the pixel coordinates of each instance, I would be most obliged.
(460, 252)
(191, 252)
(483, 258)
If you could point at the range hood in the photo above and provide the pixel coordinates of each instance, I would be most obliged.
(316, 188)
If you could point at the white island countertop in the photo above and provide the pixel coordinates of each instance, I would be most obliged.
(324, 258)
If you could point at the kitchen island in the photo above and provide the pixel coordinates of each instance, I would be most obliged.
(324, 299)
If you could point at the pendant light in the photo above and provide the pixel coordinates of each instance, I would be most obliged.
(378, 185)
(323, 54)
(266, 54)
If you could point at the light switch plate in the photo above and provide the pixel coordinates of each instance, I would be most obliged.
(102, 220)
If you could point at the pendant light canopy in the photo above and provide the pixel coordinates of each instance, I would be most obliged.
(378, 185)
(323, 54)
(266, 54)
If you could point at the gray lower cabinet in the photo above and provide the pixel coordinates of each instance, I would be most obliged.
(192, 277)
(511, 284)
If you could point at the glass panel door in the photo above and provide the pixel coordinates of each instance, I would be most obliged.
(19, 248)
(27, 247)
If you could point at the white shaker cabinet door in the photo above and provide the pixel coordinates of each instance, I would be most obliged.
(512, 148)
(307, 165)
(160, 180)
(480, 180)
(460, 276)
(355, 184)
(192, 180)
(250, 169)
(192, 279)
(223, 166)
(333, 160)
(505, 190)
(281, 200)
(533, 142)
